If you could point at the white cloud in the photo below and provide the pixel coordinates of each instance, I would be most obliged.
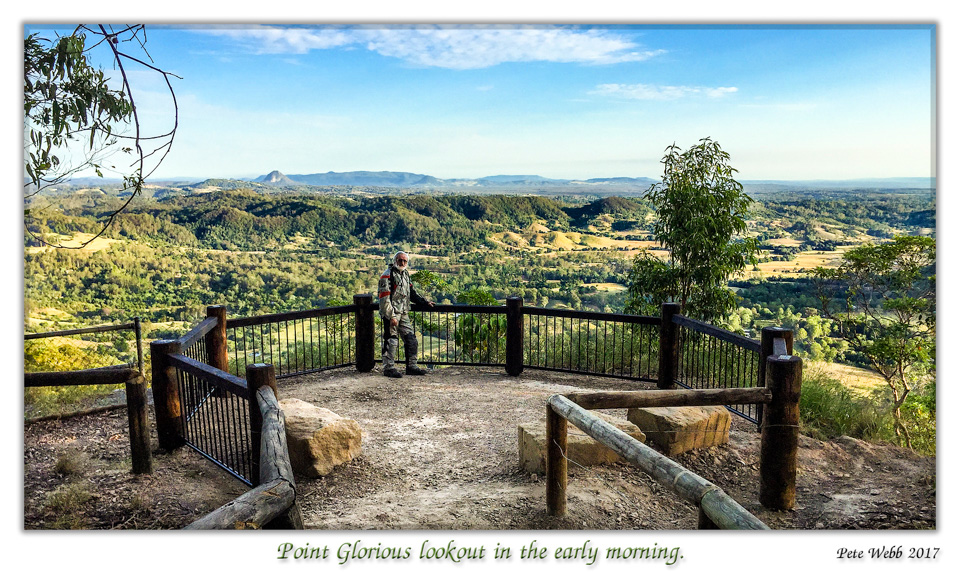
(453, 47)
(274, 40)
(658, 92)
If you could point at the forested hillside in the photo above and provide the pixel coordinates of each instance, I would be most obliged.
(166, 259)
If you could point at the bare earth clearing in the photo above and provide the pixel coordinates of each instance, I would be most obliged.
(440, 452)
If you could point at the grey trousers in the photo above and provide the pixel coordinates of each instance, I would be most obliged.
(391, 341)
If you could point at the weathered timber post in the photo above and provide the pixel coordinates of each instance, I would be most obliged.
(139, 423)
(780, 433)
(768, 335)
(556, 463)
(669, 343)
(514, 335)
(364, 331)
(166, 394)
(216, 339)
(258, 375)
(275, 456)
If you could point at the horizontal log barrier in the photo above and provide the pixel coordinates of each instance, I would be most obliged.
(110, 375)
(135, 387)
(671, 398)
(252, 510)
(713, 503)
(90, 330)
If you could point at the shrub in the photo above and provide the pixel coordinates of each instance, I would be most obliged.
(829, 409)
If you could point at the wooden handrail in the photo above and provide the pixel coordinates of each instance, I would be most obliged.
(194, 335)
(90, 330)
(671, 397)
(110, 375)
(221, 379)
(711, 330)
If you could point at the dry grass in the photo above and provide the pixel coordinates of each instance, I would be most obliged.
(100, 243)
(607, 286)
(862, 381)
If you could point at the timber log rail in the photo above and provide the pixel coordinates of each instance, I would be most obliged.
(778, 445)
(129, 375)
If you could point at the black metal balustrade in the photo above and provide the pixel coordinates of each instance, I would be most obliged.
(207, 365)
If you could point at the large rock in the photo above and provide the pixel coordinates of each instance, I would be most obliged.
(318, 439)
(581, 448)
(675, 430)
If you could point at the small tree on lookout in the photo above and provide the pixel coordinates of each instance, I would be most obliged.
(883, 298)
(700, 210)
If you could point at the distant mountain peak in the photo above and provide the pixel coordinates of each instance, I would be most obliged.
(274, 178)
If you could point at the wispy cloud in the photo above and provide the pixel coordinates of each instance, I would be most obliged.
(453, 47)
(659, 92)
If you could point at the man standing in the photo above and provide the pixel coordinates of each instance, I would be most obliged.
(396, 291)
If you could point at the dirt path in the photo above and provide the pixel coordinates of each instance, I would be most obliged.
(440, 452)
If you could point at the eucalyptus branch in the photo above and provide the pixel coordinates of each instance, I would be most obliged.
(53, 128)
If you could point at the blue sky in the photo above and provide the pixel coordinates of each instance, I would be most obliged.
(571, 101)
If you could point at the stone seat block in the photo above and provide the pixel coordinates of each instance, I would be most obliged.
(675, 430)
(318, 439)
(581, 448)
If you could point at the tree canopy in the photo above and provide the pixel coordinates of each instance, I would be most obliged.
(883, 298)
(700, 221)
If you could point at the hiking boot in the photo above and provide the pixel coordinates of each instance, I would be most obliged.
(415, 370)
(392, 372)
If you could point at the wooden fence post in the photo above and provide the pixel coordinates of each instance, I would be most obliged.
(139, 423)
(364, 331)
(166, 394)
(216, 339)
(767, 337)
(258, 375)
(780, 433)
(556, 463)
(669, 355)
(514, 335)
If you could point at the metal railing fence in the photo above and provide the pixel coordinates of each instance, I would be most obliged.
(709, 357)
(609, 345)
(295, 343)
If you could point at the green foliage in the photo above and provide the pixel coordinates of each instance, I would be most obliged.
(883, 299)
(829, 409)
(65, 98)
(481, 336)
(46, 355)
(700, 213)
(919, 415)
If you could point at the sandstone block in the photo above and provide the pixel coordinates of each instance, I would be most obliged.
(675, 430)
(318, 439)
(581, 448)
